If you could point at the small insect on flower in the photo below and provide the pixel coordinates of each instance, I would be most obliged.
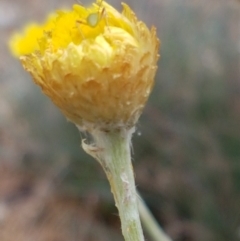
(94, 18)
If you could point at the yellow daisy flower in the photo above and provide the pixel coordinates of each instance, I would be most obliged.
(96, 64)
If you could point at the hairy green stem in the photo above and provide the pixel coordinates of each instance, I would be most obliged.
(112, 150)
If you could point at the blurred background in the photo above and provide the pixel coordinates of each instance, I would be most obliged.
(186, 147)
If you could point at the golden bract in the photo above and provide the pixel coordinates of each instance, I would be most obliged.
(100, 77)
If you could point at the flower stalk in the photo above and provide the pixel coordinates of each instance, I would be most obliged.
(112, 150)
(149, 223)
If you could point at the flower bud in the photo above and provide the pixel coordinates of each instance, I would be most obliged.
(96, 64)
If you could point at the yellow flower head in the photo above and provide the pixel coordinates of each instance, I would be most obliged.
(96, 64)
